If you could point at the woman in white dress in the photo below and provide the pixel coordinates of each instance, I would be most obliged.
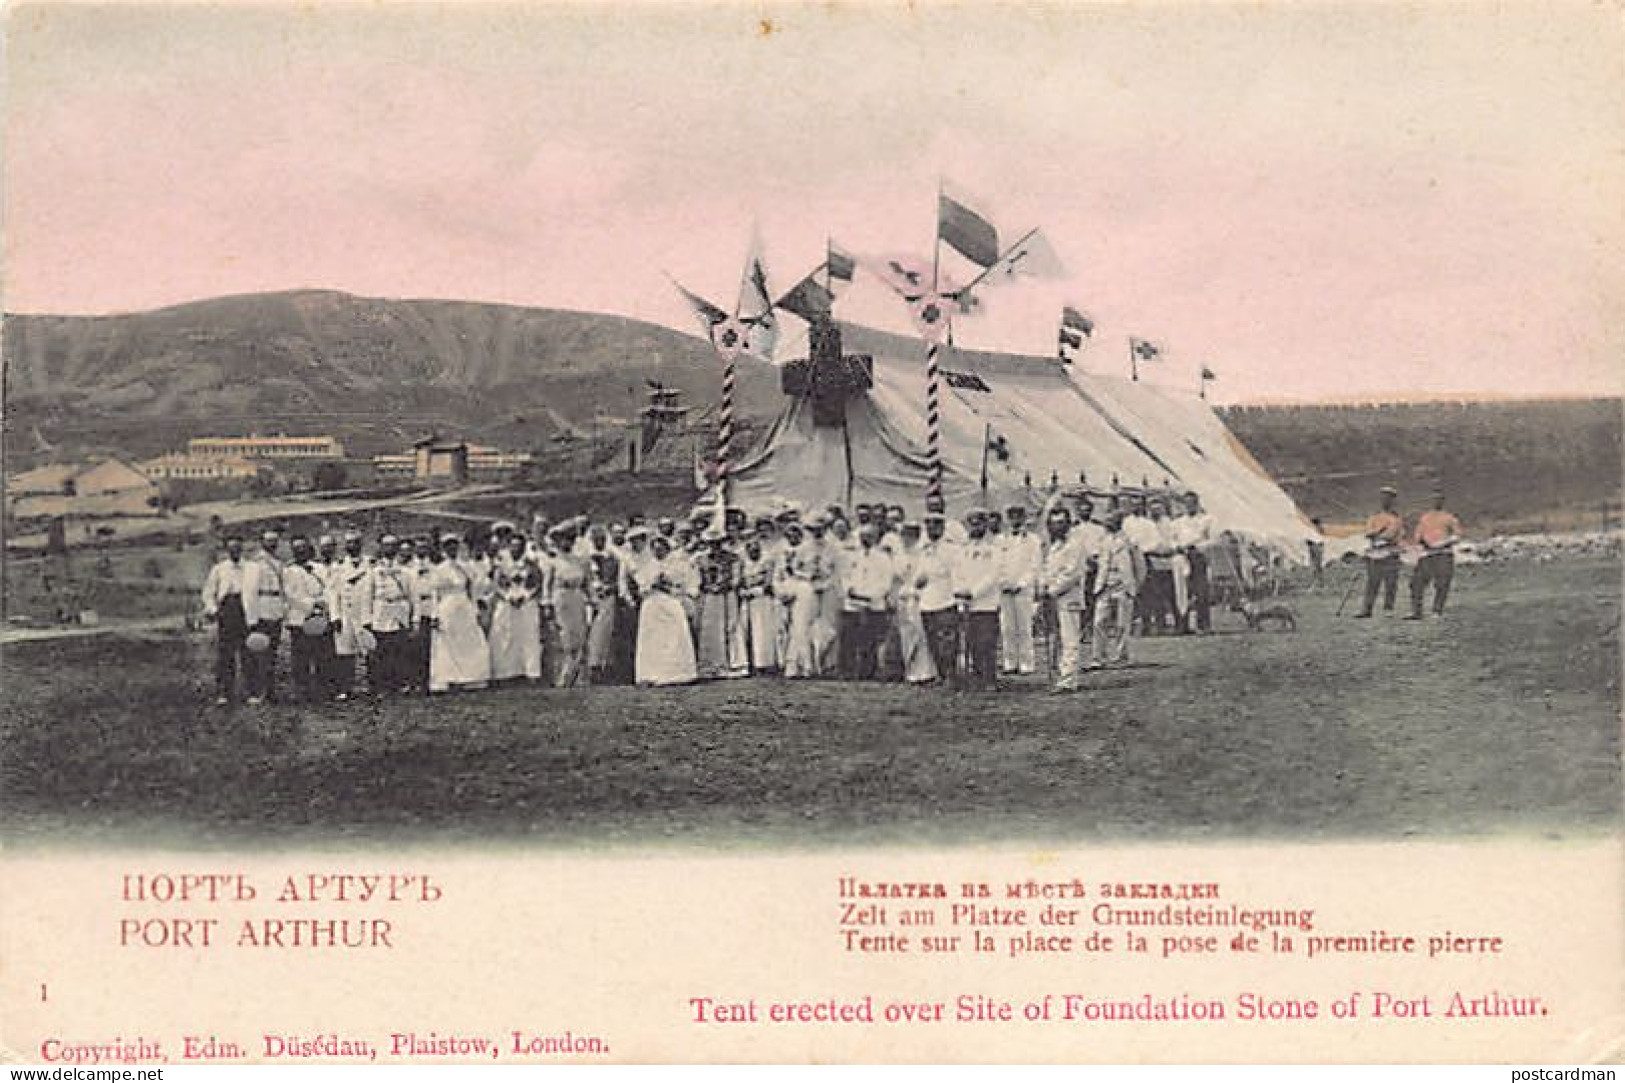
(569, 595)
(761, 608)
(665, 653)
(458, 656)
(793, 586)
(516, 637)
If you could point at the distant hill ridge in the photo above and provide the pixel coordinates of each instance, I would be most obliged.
(379, 372)
(320, 358)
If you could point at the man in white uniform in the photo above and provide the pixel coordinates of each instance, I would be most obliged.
(264, 607)
(223, 604)
(1019, 554)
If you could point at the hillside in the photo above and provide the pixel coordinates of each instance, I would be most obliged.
(379, 373)
(1518, 465)
(374, 371)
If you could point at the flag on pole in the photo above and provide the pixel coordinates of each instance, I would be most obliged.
(907, 276)
(1145, 350)
(1208, 374)
(840, 264)
(708, 314)
(966, 232)
(1031, 257)
(756, 306)
(810, 299)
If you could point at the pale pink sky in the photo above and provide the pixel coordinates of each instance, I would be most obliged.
(1312, 201)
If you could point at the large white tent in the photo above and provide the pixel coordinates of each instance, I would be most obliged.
(1010, 424)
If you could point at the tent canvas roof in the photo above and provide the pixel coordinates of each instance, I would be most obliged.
(1052, 419)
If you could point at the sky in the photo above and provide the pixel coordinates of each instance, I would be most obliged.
(1313, 200)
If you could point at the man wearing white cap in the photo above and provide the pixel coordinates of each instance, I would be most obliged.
(309, 637)
(1064, 585)
(223, 604)
(1383, 533)
(934, 579)
(977, 582)
(867, 581)
(1119, 574)
(349, 600)
(1019, 553)
(264, 607)
(390, 617)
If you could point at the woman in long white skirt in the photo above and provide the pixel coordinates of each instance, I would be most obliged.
(761, 609)
(665, 653)
(569, 592)
(793, 585)
(458, 655)
(516, 636)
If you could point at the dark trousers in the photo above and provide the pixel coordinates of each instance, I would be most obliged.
(982, 648)
(229, 654)
(259, 667)
(1436, 569)
(391, 668)
(1156, 601)
(861, 635)
(421, 643)
(942, 637)
(309, 658)
(1201, 588)
(340, 673)
(1380, 575)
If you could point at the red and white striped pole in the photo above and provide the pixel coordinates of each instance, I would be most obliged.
(725, 428)
(933, 423)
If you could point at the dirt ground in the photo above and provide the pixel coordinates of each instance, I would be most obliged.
(1503, 717)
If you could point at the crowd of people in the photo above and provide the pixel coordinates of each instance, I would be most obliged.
(799, 594)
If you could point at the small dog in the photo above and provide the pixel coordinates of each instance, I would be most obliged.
(1257, 613)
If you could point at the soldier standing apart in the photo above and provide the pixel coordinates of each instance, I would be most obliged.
(1437, 532)
(1383, 532)
(264, 607)
(223, 604)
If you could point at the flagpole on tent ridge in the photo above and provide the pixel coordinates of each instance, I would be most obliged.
(933, 415)
(1133, 361)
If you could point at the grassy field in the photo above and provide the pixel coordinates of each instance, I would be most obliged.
(1502, 717)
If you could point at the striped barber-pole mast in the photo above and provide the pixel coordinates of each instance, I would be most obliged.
(725, 426)
(933, 421)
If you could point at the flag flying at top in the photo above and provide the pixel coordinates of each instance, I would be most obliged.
(708, 314)
(1031, 257)
(1209, 374)
(907, 276)
(967, 232)
(810, 299)
(1144, 350)
(840, 265)
(756, 306)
